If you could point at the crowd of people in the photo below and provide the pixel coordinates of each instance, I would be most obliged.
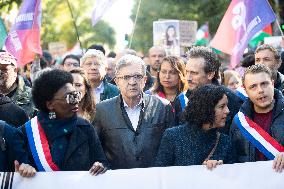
(94, 112)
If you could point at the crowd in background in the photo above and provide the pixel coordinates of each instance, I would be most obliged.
(118, 111)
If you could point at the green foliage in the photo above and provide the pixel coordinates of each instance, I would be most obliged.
(199, 10)
(58, 25)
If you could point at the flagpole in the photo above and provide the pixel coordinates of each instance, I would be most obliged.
(279, 27)
(75, 26)
(138, 8)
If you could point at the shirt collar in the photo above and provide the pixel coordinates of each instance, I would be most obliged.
(100, 87)
(139, 104)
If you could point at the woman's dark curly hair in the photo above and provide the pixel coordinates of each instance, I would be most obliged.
(47, 84)
(201, 104)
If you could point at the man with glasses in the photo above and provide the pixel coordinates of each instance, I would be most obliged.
(95, 64)
(130, 125)
(70, 62)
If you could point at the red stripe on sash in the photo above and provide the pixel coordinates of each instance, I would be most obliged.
(265, 135)
(46, 149)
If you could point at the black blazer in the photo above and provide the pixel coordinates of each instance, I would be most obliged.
(125, 147)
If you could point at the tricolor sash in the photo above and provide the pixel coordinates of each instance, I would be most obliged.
(240, 92)
(258, 137)
(39, 146)
(183, 100)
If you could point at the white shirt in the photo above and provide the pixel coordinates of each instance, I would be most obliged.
(133, 113)
(98, 91)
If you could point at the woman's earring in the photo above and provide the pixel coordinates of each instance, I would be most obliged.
(51, 115)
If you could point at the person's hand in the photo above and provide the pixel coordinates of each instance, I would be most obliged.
(210, 164)
(25, 170)
(278, 163)
(97, 168)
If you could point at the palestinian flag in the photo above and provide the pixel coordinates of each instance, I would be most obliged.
(258, 37)
(202, 36)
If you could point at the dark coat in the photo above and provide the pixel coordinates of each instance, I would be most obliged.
(279, 83)
(84, 148)
(188, 145)
(125, 147)
(11, 113)
(14, 148)
(245, 149)
(234, 104)
(110, 91)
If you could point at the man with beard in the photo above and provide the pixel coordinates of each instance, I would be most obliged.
(203, 68)
(156, 55)
(257, 131)
(13, 85)
(270, 57)
(130, 125)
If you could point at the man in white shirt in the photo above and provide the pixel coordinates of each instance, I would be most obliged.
(130, 125)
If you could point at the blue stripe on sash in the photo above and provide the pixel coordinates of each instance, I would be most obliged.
(182, 100)
(32, 146)
(250, 138)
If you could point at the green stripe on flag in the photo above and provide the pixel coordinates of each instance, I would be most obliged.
(3, 34)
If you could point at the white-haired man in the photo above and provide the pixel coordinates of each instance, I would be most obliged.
(95, 64)
(130, 125)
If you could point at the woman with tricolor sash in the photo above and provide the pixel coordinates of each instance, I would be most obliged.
(257, 130)
(198, 141)
(171, 85)
(58, 139)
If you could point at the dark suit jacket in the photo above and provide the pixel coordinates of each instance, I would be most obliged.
(125, 147)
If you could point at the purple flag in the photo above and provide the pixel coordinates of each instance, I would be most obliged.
(100, 8)
(242, 20)
(23, 40)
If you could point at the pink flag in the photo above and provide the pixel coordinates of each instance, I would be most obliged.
(23, 40)
(100, 8)
(242, 20)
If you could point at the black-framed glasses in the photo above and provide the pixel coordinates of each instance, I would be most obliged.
(136, 77)
(72, 97)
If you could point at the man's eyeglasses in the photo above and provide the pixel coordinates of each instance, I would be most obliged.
(72, 97)
(136, 77)
(70, 64)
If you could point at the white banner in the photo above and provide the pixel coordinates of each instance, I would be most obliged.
(257, 175)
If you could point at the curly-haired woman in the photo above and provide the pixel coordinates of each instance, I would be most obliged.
(198, 141)
(57, 139)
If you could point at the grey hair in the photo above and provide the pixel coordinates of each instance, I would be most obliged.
(94, 53)
(129, 59)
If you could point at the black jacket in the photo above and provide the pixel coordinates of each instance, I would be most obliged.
(12, 148)
(279, 83)
(84, 148)
(234, 104)
(244, 149)
(125, 147)
(11, 113)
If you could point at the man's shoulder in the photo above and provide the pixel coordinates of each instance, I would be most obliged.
(107, 103)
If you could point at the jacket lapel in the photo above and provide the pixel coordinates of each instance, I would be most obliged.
(76, 140)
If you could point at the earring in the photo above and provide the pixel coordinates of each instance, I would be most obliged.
(51, 115)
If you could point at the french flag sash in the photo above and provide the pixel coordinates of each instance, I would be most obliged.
(240, 92)
(39, 146)
(258, 137)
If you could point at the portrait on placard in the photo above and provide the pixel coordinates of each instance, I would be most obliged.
(166, 34)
